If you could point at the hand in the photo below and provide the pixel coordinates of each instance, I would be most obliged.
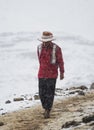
(61, 76)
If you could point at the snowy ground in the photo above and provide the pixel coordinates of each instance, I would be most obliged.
(19, 65)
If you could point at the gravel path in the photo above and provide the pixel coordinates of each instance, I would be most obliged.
(69, 109)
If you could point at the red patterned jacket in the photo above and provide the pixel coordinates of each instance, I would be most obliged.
(46, 68)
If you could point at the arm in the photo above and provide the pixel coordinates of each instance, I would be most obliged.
(38, 52)
(39, 49)
(60, 62)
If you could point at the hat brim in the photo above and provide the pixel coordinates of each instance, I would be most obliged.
(46, 40)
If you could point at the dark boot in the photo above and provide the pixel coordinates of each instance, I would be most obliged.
(47, 114)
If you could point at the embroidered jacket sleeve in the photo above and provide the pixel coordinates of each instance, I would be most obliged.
(39, 48)
(60, 60)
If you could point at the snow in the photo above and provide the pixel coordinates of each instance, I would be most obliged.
(19, 66)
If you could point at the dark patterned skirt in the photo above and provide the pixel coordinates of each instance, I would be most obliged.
(47, 92)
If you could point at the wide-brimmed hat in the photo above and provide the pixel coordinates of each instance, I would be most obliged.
(46, 36)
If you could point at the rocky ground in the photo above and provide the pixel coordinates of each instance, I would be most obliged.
(71, 113)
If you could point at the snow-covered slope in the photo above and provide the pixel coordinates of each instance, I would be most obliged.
(19, 63)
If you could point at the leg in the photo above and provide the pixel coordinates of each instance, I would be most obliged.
(49, 94)
(42, 91)
(46, 93)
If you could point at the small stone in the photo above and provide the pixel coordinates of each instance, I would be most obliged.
(87, 119)
(7, 102)
(70, 123)
(67, 89)
(18, 99)
(80, 110)
(4, 113)
(73, 92)
(30, 99)
(72, 88)
(1, 123)
(36, 97)
(82, 87)
(91, 124)
(92, 86)
(81, 93)
(59, 90)
(1, 109)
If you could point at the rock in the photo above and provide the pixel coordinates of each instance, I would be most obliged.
(36, 97)
(72, 88)
(1, 109)
(73, 92)
(67, 89)
(70, 123)
(4, 113)
(91, 124)
(1, 123)
(24, 96)
(77, 91)
(82, 87)
(81, 93)
(30, 99)
(87, 119)
(80, 110)
(57, 94)
(58, 89)
(7, 102)
(18, 99)
(92, 86)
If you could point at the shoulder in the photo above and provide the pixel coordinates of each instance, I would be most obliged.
(57, 47)
(39, 46)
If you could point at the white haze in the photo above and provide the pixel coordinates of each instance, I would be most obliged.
(71, 16)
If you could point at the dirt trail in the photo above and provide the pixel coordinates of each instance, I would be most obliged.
(69, 109)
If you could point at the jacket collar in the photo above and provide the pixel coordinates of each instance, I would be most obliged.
(47, 44)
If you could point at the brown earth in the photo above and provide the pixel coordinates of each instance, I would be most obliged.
(64, 110)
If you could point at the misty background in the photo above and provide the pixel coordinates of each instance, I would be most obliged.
(21, 23)
(72, 16)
